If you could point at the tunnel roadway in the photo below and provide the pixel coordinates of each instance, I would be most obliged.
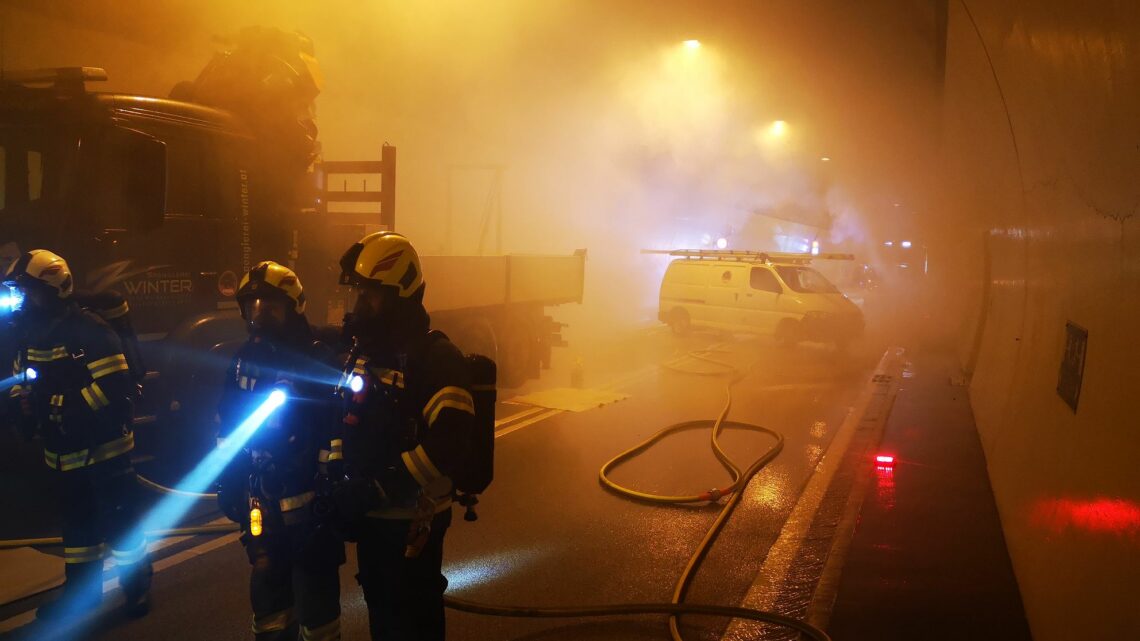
(549, 534)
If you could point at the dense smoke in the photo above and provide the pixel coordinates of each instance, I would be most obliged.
(575, 124)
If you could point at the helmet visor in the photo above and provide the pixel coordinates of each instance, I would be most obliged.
(348, 275)
(264, 314)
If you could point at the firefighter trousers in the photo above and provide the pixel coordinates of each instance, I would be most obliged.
(101, 509)
(295, 583)
(404, 596)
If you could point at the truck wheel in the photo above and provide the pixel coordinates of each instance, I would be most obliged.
(680, 322)
(477, 336)
(518, 352)
(788, 332)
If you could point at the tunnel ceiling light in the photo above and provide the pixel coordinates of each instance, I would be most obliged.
(778, 128)
(692, 44)
(906, 244)
(889, 243)
(825, 158)
(721, 243)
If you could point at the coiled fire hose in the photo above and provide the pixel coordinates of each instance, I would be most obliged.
(734, 491)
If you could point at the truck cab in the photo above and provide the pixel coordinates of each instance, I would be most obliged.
(149, 197)
(141, 195)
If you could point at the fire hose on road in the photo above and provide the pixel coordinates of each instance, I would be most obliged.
(734, 491)
(676, 607)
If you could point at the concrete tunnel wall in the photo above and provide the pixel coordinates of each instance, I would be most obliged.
(1042, 153)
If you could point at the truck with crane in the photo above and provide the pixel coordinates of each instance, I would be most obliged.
(170, 201)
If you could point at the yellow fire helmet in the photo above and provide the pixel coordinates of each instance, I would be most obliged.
(272, 279)
(384, 258)
(41, 266)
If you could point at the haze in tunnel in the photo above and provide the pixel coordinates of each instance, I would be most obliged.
(999, 139)
(612, 133)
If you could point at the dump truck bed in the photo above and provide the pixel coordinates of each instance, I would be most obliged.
(458, 282)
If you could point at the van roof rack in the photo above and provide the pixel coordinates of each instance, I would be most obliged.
(66, 78)
(749, 256)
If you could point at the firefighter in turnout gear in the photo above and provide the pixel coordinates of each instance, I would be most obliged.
(75, 392)
(408, 420)
(271, 487)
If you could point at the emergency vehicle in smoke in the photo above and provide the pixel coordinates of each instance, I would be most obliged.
(169, 201)
(767, 293)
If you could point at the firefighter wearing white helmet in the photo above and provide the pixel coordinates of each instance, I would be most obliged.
(75, 391)
(294, 585)
(408, 422)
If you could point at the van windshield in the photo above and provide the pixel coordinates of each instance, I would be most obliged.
(805, 280)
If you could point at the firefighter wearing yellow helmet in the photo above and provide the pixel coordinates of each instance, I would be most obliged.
(270, 486)
(407, 426)
(271, 299)
(75, 391)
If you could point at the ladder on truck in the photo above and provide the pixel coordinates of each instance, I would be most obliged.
(332, 190)
(749, 256)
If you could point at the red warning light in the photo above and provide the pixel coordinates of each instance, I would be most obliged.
(885, 459)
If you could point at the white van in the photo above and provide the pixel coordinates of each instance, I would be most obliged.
(757, 292)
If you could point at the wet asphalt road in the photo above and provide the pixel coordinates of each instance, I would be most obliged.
(550, 535)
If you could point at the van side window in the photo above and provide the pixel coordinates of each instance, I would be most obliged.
(764, 280)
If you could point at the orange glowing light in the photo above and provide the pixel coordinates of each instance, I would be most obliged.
(692, 44)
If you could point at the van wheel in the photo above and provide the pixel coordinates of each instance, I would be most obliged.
(788, 332)
(680, 322)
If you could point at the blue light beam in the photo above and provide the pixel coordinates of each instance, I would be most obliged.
(165, 514)
(28, 375)
(173, 507)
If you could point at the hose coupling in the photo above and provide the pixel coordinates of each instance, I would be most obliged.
(712, 495)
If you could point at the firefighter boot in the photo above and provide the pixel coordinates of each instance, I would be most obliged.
(135, 579)
(82, 593)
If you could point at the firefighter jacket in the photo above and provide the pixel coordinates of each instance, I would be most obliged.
(411, 424)
(279, 463)
(112, 307)
(74, 386)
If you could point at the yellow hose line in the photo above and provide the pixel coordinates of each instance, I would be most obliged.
(153, 534)
(169, 490)
(734, 490)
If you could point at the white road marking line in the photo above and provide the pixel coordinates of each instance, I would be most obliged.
(163, 543)
(614, 385)
(518, 415)
(766, 586)
(531, 421)
(24, 618)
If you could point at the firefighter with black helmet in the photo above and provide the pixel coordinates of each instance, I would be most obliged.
(75, 391)
(408, 421)
(271, 486)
